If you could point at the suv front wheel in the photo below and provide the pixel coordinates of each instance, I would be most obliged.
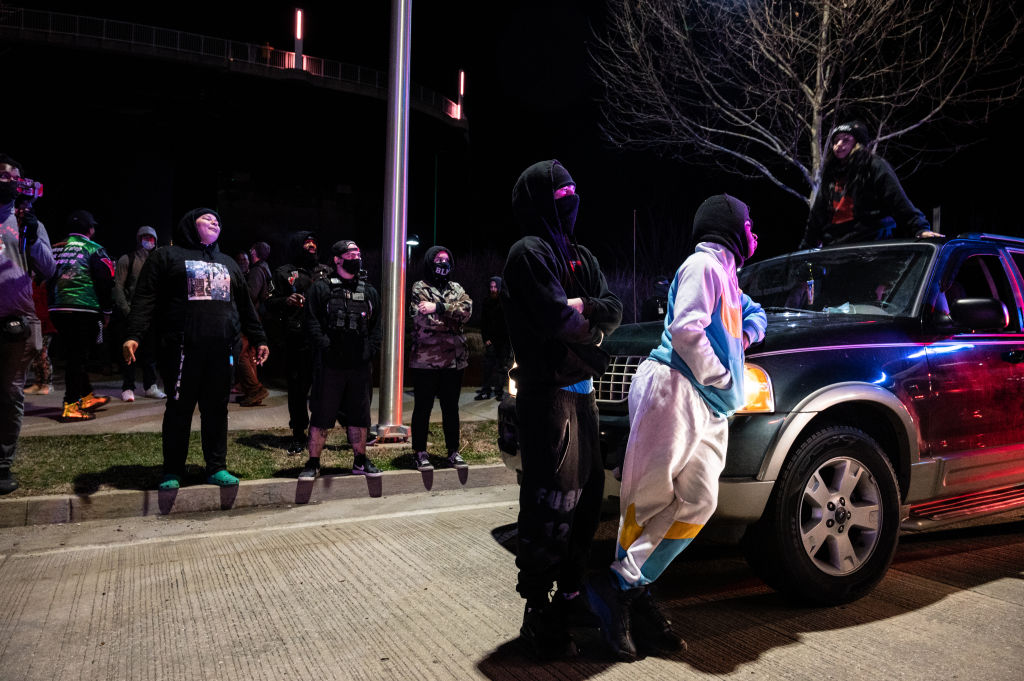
(831, 526)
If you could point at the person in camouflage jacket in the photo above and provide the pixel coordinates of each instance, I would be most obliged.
(439, 308)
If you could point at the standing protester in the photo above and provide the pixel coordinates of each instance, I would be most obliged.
(197, 301)
(80, 305)
(126, 275)
(439, 354)
(679, 404)
(286, 305)
(343, 319)
(860, 197)
(260, 283)
(497, 353)
(242, 258)
(24, 254)
(558, 309)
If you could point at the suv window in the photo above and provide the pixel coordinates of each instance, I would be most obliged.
(982, 275)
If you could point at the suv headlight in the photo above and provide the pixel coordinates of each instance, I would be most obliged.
(758, 388)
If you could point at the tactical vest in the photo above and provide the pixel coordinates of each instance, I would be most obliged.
(348, 310)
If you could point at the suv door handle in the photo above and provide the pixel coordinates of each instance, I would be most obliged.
(1014, 356)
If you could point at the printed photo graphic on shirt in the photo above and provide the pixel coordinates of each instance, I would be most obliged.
(207, 280)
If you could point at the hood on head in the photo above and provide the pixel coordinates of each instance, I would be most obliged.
(721, 219)
(145, 230)
(186, 234)
(297, 254)
(496, 280)
(428, 258)
(533, 200)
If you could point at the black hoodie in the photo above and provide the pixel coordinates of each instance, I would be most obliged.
(554, 345)
(194, 294)
(295, 276)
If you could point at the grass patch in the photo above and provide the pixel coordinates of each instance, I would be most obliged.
(85, 464)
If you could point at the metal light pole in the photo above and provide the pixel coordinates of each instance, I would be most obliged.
(389, 425)
(298, 40)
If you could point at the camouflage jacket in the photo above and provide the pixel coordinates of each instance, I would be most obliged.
(438, 339)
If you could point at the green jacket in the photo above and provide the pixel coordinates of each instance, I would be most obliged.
(84, 279)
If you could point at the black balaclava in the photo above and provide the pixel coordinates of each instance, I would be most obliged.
(353, 267)
(438, 276)
(535, 209)
(186, 234)
(721, 219)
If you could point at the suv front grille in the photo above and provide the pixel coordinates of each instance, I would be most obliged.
(613, 386)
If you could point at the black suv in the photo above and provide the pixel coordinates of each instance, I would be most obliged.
(887, 393)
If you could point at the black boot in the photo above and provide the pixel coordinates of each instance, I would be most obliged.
(8, 483)
(612, 606)
(651, 627)
(575, 612)
(543, 633)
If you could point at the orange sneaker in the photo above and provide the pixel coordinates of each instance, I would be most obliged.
(73, 412)
(91, 402)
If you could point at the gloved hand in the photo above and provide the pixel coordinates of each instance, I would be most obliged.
(29, 224)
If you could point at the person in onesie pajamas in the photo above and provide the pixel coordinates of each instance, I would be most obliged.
(679, 404)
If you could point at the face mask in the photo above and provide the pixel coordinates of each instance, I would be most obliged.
(567, 207)
(352, 266)
(8, 192)
(148, 244)
(443, 268)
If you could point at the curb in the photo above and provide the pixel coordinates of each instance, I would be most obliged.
(72, 508)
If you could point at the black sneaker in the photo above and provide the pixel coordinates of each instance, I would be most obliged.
(651, 627)
(311, 470)
(423, 462)
(455, 460)
(365, 467)
(543, 635)
(8, 483)
(612, 606)
(296, 446)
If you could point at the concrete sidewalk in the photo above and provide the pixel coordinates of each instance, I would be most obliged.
(145, 415)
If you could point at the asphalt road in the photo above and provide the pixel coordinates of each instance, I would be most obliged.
(421, 587)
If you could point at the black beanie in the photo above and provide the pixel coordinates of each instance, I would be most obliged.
(721, 219)
(856, 129)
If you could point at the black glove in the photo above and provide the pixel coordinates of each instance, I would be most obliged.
(29, 224)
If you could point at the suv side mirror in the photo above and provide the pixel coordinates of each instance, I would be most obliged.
(980, 314)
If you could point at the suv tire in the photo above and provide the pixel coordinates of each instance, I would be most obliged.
(831, 527)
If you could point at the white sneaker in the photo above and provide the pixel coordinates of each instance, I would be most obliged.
(127, 395)
(155, 392)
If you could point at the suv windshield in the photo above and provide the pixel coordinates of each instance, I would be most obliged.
(879, 279)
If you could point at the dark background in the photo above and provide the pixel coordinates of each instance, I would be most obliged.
(139, 140)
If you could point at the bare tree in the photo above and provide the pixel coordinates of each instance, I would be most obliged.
(755, 85)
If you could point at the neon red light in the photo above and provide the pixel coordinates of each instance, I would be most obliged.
(298, 24)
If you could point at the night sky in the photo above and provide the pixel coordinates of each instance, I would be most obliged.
(140, 140)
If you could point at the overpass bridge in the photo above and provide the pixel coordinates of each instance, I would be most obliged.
(93, 33)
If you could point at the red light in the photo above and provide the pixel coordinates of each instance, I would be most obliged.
(462, 83)
(298, 24)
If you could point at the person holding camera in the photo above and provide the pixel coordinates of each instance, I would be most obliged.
(24, 252)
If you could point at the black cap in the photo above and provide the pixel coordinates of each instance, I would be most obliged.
(81, 221)
(343, 246)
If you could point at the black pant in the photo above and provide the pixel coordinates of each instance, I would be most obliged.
(78, 333)
(495, 368)
(444, 384)
(196, 375)
(299, 375)
(145, 356)
(561, 491)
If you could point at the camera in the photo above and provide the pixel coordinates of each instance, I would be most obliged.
(28, 188)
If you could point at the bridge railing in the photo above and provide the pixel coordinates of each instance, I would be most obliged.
(128, 34)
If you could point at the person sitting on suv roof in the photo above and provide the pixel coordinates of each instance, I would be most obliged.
(860, 197)
(679, 403)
